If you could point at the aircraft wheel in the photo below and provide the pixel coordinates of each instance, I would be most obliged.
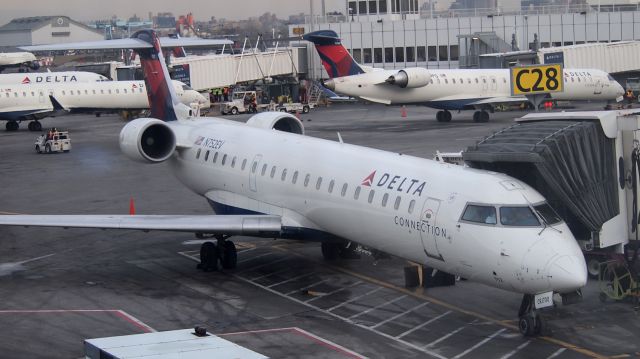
(440, 116)
(30, 126)
(476, 116)
(305, 109)
(593, 266)
(539, 325)
(47, 148)
(229, 258)
(526, 326)
(283, 109)
(234, 111)
(208, 257)
(484, 116)
(446, 116)
(330, 250)
(37, 126)
(12, 126)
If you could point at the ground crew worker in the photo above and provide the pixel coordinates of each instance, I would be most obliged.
(629, 96)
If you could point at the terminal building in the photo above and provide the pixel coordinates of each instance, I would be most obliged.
(41, 30)
(394, 34)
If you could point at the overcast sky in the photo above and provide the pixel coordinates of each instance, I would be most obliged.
(85, 10)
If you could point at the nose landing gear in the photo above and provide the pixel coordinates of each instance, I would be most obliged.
(530, 323)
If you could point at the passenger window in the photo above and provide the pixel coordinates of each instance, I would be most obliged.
(446, 81)
(319, 183)
(273, 171)
(284, 174)
(125, 90)
(396, 205)
(244, 163)
(371, 195)
(253, 168)
(32, 93)
(356, 194)
(224, 159)
(233, 162)
(331, 184)
(70, 92)
(385, 198)
(264, 169)
(306, 179)
(109, 91)
(117, 91)
(476, 80)
(101, 91)
(63, 92)
(206, 156)
(94, 91)
(215, 157)
(480, 214)
(518, 216)
(295, 177)
(344, 190)
(411, 205)
(454, 80)
(198, 154)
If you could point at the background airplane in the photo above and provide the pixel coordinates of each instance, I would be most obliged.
(422, 210)
(50, 77)
(32, 102)
(18, 59)
(455, 89)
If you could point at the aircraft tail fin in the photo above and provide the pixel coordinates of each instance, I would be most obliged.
(335, 57)
(163, 101)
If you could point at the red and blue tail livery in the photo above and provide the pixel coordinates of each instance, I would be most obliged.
(335, 58)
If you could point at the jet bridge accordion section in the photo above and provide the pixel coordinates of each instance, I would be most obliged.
(572, 163)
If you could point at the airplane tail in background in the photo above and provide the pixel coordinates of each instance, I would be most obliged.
(335, 57)
(162, 96)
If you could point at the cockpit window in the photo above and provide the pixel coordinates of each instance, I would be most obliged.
(480, 214)
(610, 77)
(518, 216)
(548, 215)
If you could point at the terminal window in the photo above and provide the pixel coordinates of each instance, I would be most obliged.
(443, 53)
(366, 55)
(388, 54)
(410, 54)
(399, 54)
(377, 55)
(421, 54)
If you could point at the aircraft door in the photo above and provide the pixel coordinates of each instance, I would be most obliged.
(253, 171)
(41, 96)
(430, 232)
(597, 90)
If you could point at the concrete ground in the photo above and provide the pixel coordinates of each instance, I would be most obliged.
(58, 287)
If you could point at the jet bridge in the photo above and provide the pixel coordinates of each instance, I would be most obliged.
(581, 162)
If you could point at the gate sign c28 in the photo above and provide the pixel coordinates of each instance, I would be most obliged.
(536, 79)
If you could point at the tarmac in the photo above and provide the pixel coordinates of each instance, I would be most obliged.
(61, 286)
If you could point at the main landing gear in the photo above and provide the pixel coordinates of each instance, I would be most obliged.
(35, 126)
(12, 126)
(443, 116)
(481, 116)
(331, 251)
(223, 251)
(530, 323)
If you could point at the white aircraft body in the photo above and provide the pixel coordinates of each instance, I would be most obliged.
(266, 178)
(50, 77)
(18, 59)
(456, 89)
(35, 101)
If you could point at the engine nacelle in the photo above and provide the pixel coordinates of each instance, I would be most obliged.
(147, 140)
(411, 77)
(280, 121)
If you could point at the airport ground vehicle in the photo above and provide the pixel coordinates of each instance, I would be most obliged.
(53, 141)
(241, 102)
(294, 107)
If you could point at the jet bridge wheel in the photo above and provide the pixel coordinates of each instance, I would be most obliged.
(208, 257)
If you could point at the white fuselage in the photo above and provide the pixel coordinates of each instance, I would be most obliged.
(50, 77)
(15, 58)
(463, 88)
(18, 101)
(410, 207)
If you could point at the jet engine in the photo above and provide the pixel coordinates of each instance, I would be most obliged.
(410, 77)
(280, 121)
(147, 140)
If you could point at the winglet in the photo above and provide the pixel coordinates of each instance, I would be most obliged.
(335, 57)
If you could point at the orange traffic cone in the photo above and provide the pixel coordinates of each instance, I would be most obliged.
(403, 111)
(132, 207)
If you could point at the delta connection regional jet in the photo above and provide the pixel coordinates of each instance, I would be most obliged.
(505, 235)
(456, 89)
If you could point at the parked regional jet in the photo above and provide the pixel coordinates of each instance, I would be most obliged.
(505, 235)
(50, 77)
(18, 59)
(35, 101)
(457, 89)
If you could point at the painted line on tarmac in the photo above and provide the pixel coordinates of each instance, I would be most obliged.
(479, 344)
(439, 302)
(118, 312)
(304, 333)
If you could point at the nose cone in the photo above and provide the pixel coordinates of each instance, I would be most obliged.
(619, 89)
(568, 273)
(330, 84)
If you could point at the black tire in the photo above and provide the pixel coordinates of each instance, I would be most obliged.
(526, 326)
(208, 257)
(330, 250)
(47, 148)
(30, 126)
(305, 109)
(484, 116)
(229, 259)
(440, 116)
(593, 266)
(38, 150)
(446, 117)
(283, 109)
(12, 126)
(37, 126)
(539, 326)
(476, 116)
(234, 111)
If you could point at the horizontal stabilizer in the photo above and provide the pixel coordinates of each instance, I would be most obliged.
(129, 43)
(250, 225)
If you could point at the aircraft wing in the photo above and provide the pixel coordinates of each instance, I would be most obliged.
(376, 100)
(250, 225)
(497, 100)
(128, 43)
